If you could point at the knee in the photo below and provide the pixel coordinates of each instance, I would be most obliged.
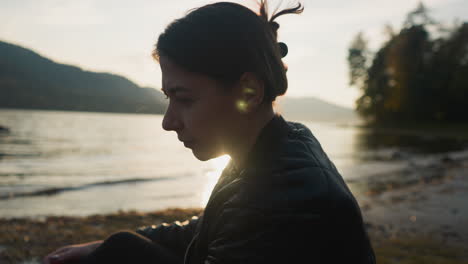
(122, 237)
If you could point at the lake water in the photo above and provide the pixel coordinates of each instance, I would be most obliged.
(80, 163)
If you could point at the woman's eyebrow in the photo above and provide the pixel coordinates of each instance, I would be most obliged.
(175, 89)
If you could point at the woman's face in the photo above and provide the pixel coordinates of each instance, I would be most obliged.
(200, 111)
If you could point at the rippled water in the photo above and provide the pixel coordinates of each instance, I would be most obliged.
(79, 163)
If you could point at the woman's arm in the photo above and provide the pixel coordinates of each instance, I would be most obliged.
(71, 253)
(175, 236)
(251, 236)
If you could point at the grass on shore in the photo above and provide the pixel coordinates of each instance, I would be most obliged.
(26, 239)
(416, 249)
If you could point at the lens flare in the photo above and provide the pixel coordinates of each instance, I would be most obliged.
(217, 165)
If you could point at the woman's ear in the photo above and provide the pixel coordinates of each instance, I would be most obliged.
(251, 93)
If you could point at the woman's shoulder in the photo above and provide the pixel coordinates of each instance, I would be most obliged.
(302, 148)
(298, 171)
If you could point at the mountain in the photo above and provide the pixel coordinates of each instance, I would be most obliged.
(313, 109)
(28, 80)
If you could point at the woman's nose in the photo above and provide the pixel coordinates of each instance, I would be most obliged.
(171, 120)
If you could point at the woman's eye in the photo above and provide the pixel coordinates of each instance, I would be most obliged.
(185, 100)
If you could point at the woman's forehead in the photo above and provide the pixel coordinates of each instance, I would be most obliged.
(178, 79)
(184, 83)
(175, 78)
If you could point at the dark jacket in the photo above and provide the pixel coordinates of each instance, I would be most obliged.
(288, 205)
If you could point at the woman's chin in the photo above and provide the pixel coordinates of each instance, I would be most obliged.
(205, 155)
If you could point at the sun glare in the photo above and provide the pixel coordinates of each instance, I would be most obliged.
(211, 176)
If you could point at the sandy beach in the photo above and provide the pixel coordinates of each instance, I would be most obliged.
(424, 221)
(430, 200)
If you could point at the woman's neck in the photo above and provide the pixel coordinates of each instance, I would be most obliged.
(248, 135)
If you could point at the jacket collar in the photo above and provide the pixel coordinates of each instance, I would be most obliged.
(267, 145)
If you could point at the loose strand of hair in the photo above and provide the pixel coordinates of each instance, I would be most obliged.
(293, 10)
(264, 9)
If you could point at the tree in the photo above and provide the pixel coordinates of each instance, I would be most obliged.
(449, 77)
(357, 58)
(413, 76)
(419, 17)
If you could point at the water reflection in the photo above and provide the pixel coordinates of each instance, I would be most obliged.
(414, 142)
(47, 151)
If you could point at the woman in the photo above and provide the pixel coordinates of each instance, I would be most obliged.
(280, 199)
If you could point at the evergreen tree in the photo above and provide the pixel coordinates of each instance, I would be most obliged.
(414, 76)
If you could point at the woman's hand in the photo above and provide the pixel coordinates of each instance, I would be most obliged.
(71, 253)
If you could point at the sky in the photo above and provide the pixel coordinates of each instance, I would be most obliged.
(118, 36)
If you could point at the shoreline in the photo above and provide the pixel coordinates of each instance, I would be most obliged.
(428, 199)
(24, 240)
(415, 215)
(27, 241)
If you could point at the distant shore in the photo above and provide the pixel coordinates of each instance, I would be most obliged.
(451, 130)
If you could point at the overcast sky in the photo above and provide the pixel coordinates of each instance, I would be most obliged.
(117, 36)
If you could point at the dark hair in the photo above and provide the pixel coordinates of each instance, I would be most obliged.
(224, 40)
